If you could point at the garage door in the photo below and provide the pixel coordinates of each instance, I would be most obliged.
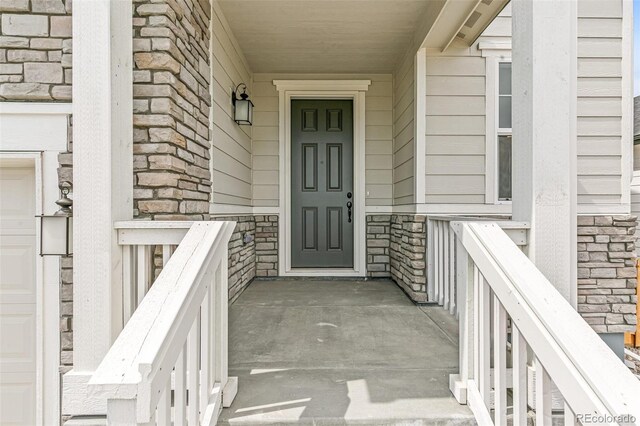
(17, 294)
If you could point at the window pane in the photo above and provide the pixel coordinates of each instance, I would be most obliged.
(505, 78)
(504, 121)
(504, 167)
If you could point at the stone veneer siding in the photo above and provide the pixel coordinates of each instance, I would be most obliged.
(378, 246)
(607, 273)
(408, 254)
(171, 104)
(65, 174)
(35, 50)
(266, 246)
(242, 256)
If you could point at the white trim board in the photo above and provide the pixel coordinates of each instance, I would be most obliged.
(322, 89)
(34, 126)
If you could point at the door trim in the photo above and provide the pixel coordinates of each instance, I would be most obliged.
(37, 132)
(47, 284)
(322, 89)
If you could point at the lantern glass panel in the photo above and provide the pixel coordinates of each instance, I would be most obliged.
(54, 235)
(70, 234)
(242, 111)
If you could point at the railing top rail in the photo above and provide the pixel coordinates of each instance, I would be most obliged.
(586, 371)
(153, 224)
(166, 312)
(151, 232)
(503, 221)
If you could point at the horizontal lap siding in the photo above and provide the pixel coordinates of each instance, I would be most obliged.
(403, 133)
(455, 127)
(599, 109)
(231, 148)
(378, 136)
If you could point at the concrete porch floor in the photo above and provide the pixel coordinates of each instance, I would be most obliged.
(340, 352)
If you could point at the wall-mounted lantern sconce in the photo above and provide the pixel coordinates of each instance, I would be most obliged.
(242, 106)
(56, 230)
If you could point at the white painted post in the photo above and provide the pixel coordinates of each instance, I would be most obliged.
(544, 135)
(102, 176)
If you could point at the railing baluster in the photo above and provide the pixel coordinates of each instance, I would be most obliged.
(193, 375)
(164, 406)
(431, 248)
(543, 394)
(445, 264)
(436, 261)
(142, 267)
(221, 339)
(499, 363)
(166, 253)
(180, 392)
(127, 284)
(206, 317)
(441, 267)
(476, 324)
(484, 344)
(519, 363)
(452, 270)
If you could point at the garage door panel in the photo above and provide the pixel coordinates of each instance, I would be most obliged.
(17, 396)
(17, 338)
(17, 263)
(17, 203)
(18, 313)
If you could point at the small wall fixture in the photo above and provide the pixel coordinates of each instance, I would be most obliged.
(56, 230)
(242, 106)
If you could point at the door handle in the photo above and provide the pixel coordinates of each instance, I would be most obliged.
(349, 205)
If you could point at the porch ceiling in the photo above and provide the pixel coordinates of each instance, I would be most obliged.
(323, 36)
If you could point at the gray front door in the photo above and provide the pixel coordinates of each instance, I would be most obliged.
(322, 210)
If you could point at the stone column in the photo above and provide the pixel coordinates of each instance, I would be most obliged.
(544, 135)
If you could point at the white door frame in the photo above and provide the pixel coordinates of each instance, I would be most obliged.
(36, 133)
(322, 89)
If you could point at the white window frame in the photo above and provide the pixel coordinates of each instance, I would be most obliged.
(494, 54)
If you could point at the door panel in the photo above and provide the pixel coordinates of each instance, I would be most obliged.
(17, 296)
(321, 180)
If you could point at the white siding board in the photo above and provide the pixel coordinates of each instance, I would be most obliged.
(599, 145)
(455, 185)
(599, 9)
(598, 27)
(600, 165)
(379, 147)
(460, 164)
(599, 87)
(231, 145)
(455, 85)
(600, 106)
(455, 65)
(599, 126)
(379, 162)
(448, 145)
(599, 67)
(455, 105)
(595, 107)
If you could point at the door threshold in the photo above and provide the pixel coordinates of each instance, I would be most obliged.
(323, 272)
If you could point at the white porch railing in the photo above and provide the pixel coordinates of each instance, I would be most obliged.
(140, 241)
(521, 342)
(441, 255)
(169, 363)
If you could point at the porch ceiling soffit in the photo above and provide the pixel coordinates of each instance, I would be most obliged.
(325, 36)
(461, 22)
